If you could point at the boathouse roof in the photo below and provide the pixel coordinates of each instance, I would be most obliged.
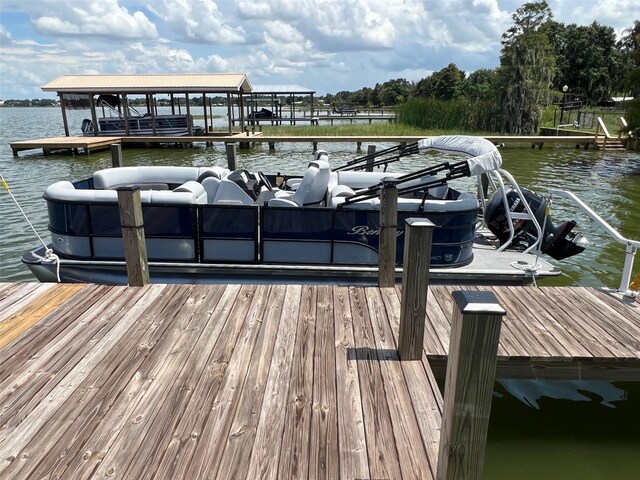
(153, 83)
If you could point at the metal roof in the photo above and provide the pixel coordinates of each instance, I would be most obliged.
(160, 83)
(281, 89)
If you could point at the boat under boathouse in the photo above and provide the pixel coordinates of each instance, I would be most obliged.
(110, 95)
(276, 104)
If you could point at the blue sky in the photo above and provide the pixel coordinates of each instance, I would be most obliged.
(325, 45)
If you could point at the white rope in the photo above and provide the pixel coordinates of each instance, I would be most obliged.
(531, 268)
(48, 253)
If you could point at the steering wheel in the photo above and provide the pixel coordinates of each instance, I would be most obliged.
(265, 181)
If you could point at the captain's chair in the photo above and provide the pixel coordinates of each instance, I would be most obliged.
(312, 189)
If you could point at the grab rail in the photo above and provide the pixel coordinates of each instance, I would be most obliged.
(631, 245)
(604, 131)
(623, 127)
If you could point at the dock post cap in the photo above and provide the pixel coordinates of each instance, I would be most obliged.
(389, 181)
(420, 222)
(478, 302)
(128, 188)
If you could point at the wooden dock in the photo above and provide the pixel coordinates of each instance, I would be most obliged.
(269, 381)
(59, 144)
(89, 144)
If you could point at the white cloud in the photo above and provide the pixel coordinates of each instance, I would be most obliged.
(5, 36)
(327, 45)
(94, 18)
(198, 21)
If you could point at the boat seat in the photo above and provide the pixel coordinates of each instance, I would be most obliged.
(112, 178)
(230, 193)
(312, 188)
(211, 185)
(220, 172)
(195, 188)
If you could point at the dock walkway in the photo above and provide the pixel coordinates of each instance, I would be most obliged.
(245, 381)
(89, 144)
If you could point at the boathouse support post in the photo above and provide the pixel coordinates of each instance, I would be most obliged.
(64, 115)
(471, 372)
(415, 283)
(231, 155)
(116, 155)
(94, 117)
(125, 111)
(371, 150)
(132, 224)
(190, 120)
(388, 232)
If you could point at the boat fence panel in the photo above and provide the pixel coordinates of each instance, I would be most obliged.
(229, 233)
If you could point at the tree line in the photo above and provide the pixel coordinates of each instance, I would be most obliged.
(539, 57)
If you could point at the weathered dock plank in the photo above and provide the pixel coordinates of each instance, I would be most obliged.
(268, 443)
(352, 456)
(270, 381)
(28, 315)
(381, 449)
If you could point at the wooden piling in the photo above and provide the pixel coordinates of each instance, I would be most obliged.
(371, 150)
(415, 283)
(135, 248)
(471, 368)
(388, 232)
(231, 155)
(116, 155)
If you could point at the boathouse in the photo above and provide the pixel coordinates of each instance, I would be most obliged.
(114, 91)
(265, 103)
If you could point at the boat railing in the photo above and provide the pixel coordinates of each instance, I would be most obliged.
(631, 245)
(512, 215)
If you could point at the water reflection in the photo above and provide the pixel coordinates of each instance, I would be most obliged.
(579, 430)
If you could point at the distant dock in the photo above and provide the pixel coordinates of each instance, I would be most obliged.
(88, 144)
(267, 381)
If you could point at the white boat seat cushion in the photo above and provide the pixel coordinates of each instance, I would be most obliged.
(195, 188)
(230, 193)
(115, 177)
(312, 189)
(210, 185)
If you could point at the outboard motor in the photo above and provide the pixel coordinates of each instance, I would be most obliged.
(87, 126)
(559, 241)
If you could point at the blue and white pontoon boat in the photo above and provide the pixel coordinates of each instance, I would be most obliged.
(116, 123)
(209, 224)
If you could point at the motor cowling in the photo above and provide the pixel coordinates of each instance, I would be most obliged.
(87, 126)
(559, 241)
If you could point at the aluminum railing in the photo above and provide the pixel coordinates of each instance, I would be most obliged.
(631, 245)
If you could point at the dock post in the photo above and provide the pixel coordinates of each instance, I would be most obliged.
(415, 283)
(116, 155)
(471, 372)
(371, 150)
(132, 223)
(388, 232)
(231, 156)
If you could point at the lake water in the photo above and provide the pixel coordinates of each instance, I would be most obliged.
(577, 435)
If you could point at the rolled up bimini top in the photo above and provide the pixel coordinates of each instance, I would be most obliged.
(485, 155)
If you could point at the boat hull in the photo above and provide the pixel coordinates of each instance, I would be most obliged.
(487, 268)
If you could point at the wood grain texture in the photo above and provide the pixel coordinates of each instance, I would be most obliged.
(415, 282)
(469, 388)
(271, 381)
(32, 313)
(388, 235)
